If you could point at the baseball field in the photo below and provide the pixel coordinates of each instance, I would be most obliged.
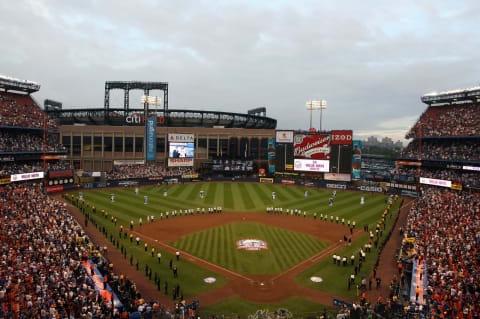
(242, 258)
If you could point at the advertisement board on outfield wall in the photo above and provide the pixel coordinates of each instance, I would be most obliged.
(181, 138)
(307, 165)
(357, 160)
(342, 137)
(337, 177)
(284, 136)
(266, 180)
(178, 162)
(316, 146)
(336, 186)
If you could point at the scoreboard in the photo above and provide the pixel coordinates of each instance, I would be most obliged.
(315, 152)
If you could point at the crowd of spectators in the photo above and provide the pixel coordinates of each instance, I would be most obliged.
(42, 248)
(466, 150)
(14, 141)
(21, 110)
(448, 120)
(9, 168)
(456, 176)
(40, 264)
(149, 170)
(446, 227)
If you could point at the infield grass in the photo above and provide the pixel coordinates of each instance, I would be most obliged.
(218, 245)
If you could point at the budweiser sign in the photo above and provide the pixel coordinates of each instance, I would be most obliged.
(312, 146)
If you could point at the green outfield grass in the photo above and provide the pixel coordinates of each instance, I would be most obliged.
(335, 277)
(245, 197)
(284, 250)
(235, 306)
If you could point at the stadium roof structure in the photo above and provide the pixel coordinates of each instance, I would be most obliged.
(169, 118)
(471, 94)
(9, 83)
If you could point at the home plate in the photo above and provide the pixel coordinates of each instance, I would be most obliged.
(316, 279)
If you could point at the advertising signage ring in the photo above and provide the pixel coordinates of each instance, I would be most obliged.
(26, 176)
(311, 165)
(284, 137)
(177, 162)
(181, 138)
(343, 137)
(315, 146)
(436, 182)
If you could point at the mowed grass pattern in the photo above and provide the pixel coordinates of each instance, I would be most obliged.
(244, 197)
(218, 245)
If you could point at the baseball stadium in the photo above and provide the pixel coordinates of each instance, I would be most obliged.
(156, 212)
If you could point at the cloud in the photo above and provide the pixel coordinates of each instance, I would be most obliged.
(371, 61)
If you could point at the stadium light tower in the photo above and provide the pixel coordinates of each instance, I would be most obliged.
(316, 105)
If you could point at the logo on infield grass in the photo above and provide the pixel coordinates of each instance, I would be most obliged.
(209, 280)
(251, 244)
(316, 279)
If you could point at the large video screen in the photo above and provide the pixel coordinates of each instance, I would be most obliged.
(312, 146)
(181, 150)
(311, 165)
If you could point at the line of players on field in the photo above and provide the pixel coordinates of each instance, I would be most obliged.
(299, 212)
(191, 211)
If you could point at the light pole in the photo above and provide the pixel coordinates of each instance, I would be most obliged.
(316, 105)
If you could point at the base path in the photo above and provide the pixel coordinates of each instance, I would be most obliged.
(256, 288)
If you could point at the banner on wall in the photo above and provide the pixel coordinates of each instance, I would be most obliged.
(266, 180)
(178, 162)
(26, 176)
(309, 165)
(435, 182)
(342, 137)
(128, 162)
(181, 138)
(337, 177)
(151, 138)
(271, 156)
(284, 136)
(357, 160)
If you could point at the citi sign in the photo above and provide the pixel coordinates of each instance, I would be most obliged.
(138, 118)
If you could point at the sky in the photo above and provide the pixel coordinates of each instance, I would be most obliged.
(371, 60)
